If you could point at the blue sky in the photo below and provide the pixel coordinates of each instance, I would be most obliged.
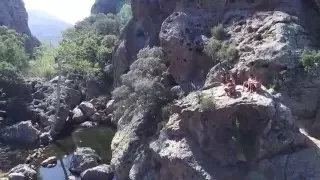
(69, 11)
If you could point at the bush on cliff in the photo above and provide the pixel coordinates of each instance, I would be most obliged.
(141, 86)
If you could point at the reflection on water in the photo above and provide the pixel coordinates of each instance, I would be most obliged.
(98, 139)
(60, 171)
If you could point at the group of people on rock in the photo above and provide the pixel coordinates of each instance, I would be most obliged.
(252, 84)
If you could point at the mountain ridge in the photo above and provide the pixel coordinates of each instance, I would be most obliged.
(46, 27)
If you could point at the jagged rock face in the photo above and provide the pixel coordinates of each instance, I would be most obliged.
(141, 31)
(106, 6)
(182, 38)
(14, 15)
(269, 42)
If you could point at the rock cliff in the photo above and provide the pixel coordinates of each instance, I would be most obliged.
(106, 6)
(237, 138)
(14, 15)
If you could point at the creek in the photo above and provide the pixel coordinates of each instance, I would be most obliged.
(98, 139)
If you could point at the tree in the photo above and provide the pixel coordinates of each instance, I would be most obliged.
(12, 49)
(141, 85)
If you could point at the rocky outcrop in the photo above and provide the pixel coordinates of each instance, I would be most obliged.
(228, 133)
(141, 31)
(83, 159)
(207, 129)
(23, 132)
(23, 170)
(102, 172)
(106, 6)
(14, 15)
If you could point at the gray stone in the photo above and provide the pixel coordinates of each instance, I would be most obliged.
(96, 117)
(45, 138)
(184, 50)
(16, 176)
(177, 92)
(102, 172)
(78, 116)
(49, 161)
(88, 124)
(25, 170)
(87, 108)
(22, 132)
(84, 158)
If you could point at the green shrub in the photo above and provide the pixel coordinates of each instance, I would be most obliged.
(205, 102)
(212, 48)
(12, 49)
(125, 14)
(309, 59)
(219, 51)
(87, 47)
(227, 52)
(166, 112)
(218, 32)
(9, 73)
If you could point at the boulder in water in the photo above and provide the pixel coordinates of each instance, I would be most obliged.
(50, 161)
(102, 172)
(83, 159)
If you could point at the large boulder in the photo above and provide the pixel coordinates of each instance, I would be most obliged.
(83, 159)
(102, 172)
(23, 170)
(87, 108)
(182, 38)
(78, 116)
(22, 132)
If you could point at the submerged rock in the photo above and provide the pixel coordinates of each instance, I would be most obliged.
(49, 161)
(102, 172)
(88, 124)
(83, 159)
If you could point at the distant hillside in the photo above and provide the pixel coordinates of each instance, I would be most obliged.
(46, 27)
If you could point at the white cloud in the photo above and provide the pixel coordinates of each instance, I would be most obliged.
(70, 11)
